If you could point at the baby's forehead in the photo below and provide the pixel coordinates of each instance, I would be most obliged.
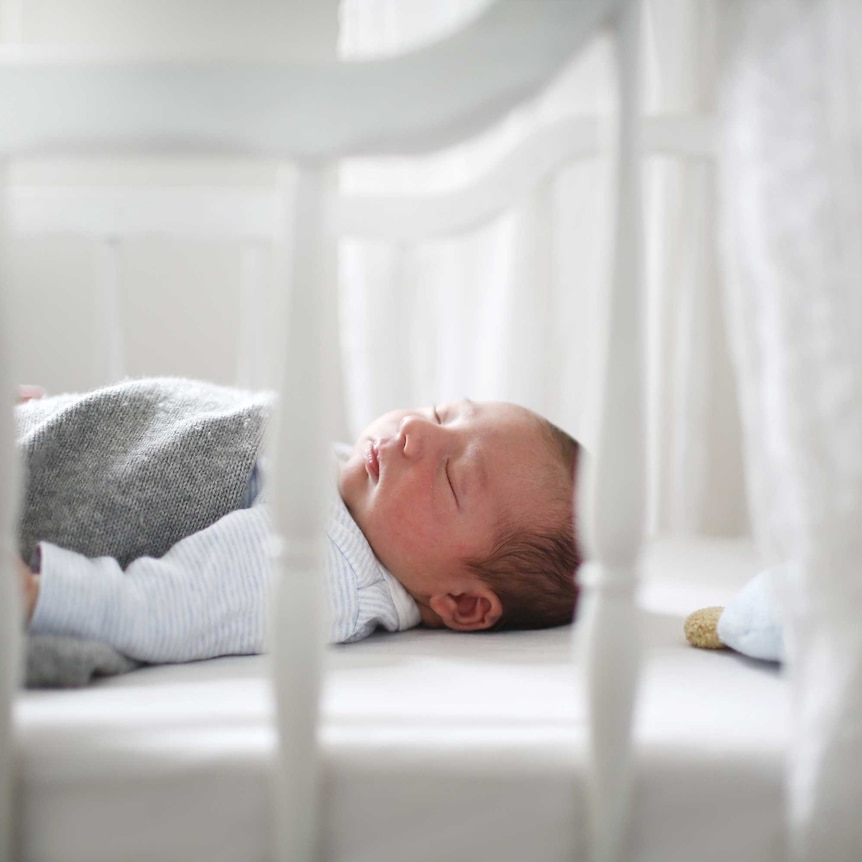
(500, 430)
(506, 414)
(516, 423)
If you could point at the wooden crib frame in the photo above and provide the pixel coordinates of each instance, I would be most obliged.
(404, 105)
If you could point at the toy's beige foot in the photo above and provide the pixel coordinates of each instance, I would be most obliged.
(700, 628)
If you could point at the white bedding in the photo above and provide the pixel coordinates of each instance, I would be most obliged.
(437, 746)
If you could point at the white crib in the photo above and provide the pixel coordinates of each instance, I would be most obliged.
(316, 115)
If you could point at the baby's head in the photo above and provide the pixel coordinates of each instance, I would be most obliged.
(469, 505)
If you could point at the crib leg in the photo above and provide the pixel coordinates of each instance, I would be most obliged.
(300, 480)
(10, 604)
(614, 499)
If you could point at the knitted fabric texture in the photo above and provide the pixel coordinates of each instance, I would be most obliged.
(129, 470)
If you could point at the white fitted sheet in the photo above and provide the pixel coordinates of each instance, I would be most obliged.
(436, 746)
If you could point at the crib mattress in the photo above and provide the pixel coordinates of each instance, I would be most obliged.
(436, 746)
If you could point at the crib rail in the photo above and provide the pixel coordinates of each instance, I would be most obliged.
(248, 214)
(414, 103)
(251, 216)
(543, 154)
(112, 215)
(124, 212)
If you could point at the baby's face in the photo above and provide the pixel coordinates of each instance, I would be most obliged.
(430, 488)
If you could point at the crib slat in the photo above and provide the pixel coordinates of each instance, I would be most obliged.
(300, 480)
(10, 634)
(615, 499)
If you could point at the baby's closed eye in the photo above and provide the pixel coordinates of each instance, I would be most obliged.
(448, 472)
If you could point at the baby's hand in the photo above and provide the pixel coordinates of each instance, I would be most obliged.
(28, 392)
(29, 588)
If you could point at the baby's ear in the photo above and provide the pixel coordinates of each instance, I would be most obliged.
(471, 611)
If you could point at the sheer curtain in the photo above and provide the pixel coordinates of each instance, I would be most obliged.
(792, 225)
(515, 310)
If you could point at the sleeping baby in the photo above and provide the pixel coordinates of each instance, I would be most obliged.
(144, 527)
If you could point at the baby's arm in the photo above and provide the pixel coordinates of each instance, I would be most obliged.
(29, 588)
(29, 581)
(28, 392)
(204, 598)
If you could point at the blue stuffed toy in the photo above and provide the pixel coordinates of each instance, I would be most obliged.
(752, 623)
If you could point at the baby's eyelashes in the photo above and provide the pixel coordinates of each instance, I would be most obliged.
(451, 484)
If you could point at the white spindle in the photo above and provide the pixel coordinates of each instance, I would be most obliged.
(10, 604)
(300, 479)
(110, 317)
(616, 494)
(254, 326)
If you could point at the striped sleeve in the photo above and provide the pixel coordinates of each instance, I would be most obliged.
(207, 596)
(204, 598)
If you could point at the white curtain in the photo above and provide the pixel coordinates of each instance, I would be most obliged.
(792, 225)
(515, 310)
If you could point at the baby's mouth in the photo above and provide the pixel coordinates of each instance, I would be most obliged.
(372, 460)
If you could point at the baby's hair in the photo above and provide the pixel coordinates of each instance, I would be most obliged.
(532, 570)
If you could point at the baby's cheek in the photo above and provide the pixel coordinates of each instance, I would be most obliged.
(352, 480)
(412, 537)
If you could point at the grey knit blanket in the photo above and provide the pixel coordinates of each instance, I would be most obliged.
(127, 471)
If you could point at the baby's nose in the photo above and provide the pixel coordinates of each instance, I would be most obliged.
(421, 435)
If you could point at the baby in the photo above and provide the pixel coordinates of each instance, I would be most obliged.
(469, 505)
(456, 516)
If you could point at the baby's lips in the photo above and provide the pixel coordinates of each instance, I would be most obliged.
(372, 460)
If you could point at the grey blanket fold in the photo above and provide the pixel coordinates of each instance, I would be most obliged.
(127, 472)
(53, 661)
